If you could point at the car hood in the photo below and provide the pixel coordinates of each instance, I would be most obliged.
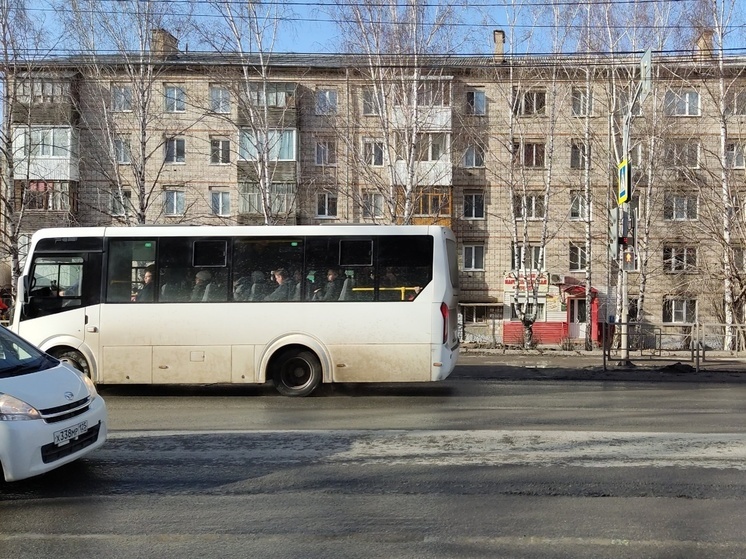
(48, 388)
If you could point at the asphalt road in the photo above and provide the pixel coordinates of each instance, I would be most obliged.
(498, 461)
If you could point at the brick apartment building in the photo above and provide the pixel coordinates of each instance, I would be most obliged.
(518, 155)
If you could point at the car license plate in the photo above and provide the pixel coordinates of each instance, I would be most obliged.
(64, 436)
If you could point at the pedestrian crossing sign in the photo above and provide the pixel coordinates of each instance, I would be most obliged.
(624, 182)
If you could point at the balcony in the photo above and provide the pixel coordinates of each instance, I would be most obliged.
(433, 173)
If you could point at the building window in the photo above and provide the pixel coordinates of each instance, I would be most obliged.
(174, 202)
(326, 152)
(53, 196)
(175, 150)
(326, 204)
(480, 314)
(681, 103)
(432, 202)
(175, 99)
(431, 146)
(281, 196)
(41, 90)
(474, 205)
(474, 257)
(474, 156)
(734, 156)
(433, 93)
(526, 258)
(679, 259)
(121, 202)
(578, 205)
(580, 154)
(534, 208)
(476, 102)
(578, 257)
(372, 101)
(373, 152)
(220, 151)
(48, 142)
(680, 207)
(220, 202)
(582, 102)
(529, 154)
(278, 145)
(326, 101)
(682, 154)
(529, 309)
(735, 103)
(622, 103)
(121, 98)
(373, 205)
(122, 151)
(267, 94)
(220, 99)
(531, 102)
(679, 310)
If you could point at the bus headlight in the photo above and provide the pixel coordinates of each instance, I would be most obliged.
(13, 409)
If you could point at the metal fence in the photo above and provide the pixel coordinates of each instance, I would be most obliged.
(702, 344)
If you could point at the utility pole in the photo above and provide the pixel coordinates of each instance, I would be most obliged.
(624, 171)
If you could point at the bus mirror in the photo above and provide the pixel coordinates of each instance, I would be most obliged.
(25, 284)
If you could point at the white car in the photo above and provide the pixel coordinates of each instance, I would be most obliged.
(50, 413)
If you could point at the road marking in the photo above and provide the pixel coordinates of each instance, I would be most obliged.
(592, 449)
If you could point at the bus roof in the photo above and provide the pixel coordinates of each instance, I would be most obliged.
(237, 230)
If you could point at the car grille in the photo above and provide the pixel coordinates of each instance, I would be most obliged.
(51, 452)
(61, 413)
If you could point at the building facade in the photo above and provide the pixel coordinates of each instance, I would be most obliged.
(518, 155)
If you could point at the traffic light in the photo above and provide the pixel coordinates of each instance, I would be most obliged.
(614, 234)
(628, 259)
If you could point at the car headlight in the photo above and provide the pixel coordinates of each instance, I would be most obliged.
(91, 387)
(13, 409)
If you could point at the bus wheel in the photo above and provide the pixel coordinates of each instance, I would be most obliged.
(73, 358)
(297, 372)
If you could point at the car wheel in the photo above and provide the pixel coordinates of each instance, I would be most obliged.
(297, 372)
(73, 358)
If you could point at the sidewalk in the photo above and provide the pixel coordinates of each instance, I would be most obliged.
(549, 363)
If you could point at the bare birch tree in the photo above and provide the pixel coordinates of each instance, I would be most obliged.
(267, 106)
(400, 151)
(123, 106)
(21, 41)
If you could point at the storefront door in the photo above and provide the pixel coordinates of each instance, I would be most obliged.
(577, 320)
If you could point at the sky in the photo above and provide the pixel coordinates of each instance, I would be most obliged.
(308, 28)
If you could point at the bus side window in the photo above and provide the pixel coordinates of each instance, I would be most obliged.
(405, 265)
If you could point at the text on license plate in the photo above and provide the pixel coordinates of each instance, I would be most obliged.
(63, 436)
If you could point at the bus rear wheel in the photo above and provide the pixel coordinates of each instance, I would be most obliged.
(297, 372)
(72, 358)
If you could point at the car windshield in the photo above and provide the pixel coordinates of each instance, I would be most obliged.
(18, 357)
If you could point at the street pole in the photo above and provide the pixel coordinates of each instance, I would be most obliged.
(643, 87)
(623, 332)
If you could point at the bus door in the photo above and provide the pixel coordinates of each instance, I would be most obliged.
(61, 300)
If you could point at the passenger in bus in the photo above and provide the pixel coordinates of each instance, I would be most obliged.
(302, 285)
(389, 279)
(284, 289)
(147, 291)
(241, 289)
(333, 287)
(201, 281)
(260, 287)
(174, 287)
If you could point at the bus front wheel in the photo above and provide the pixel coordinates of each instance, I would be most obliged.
(297, 372)
(73, 358)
